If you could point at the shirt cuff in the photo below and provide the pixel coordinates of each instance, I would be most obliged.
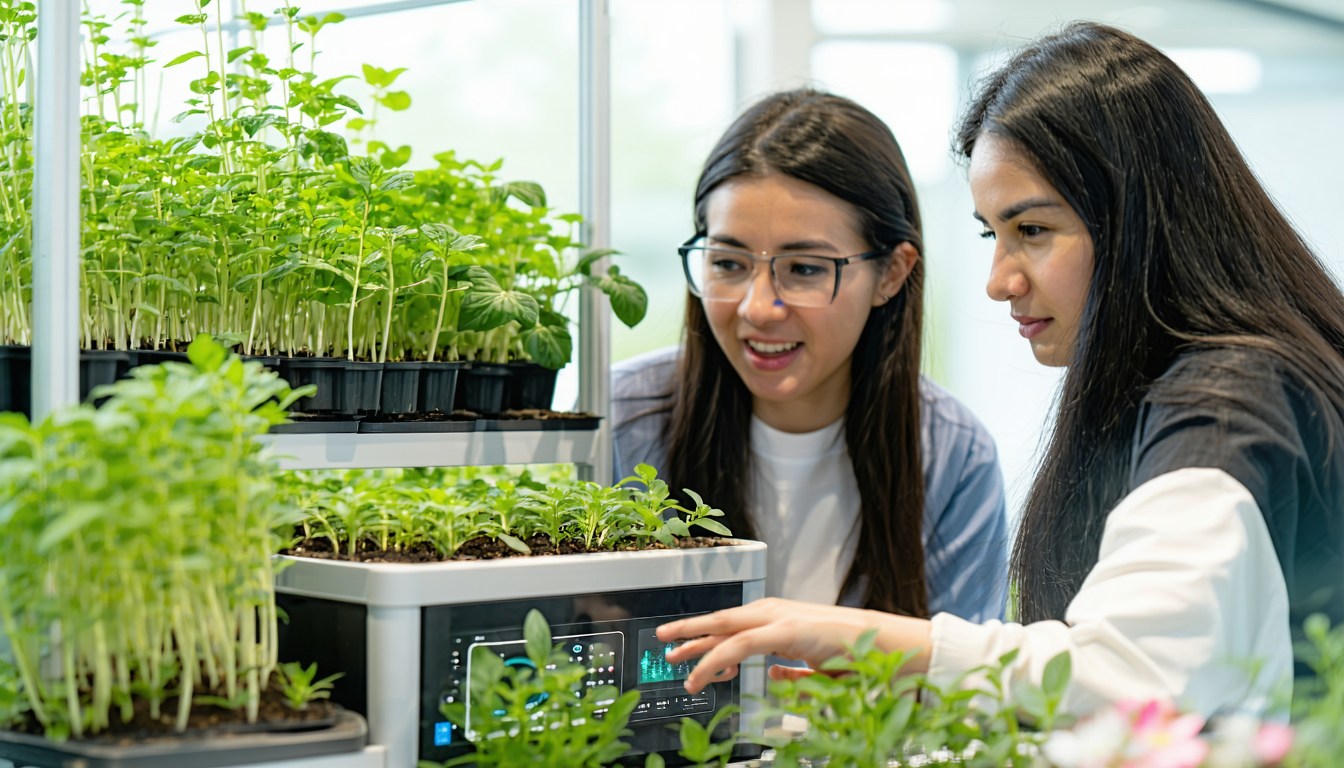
(958, 646)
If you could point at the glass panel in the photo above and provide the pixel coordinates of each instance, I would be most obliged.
(672, 95)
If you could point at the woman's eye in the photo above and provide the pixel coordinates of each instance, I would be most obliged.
(727, 265)
(1030, 230)
(806, 270)
(988, 234)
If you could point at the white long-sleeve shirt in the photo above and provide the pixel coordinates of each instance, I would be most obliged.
(1186, 593)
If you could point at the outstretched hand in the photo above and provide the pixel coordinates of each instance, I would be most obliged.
(807, 632)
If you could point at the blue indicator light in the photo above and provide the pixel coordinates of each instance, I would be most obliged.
(578, 649)
(443, 734)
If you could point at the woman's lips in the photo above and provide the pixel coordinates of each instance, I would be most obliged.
(762, 361)
(1031, 327)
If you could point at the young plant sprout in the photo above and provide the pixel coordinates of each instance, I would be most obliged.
(136, 544)
(262, 229)
(378, 512)
(298, 685)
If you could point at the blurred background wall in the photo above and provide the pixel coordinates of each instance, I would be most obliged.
(496, 78)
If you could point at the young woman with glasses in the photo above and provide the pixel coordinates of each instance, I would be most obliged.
(1189, 513)
(795, 402)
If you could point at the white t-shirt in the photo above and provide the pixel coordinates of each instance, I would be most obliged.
(805, 506)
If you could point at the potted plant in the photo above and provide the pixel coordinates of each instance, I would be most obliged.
(136, 578)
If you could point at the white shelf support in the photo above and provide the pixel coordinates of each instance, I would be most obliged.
(595, 205)
(56, 215)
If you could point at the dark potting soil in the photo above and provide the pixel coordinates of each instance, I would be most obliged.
(205, 719)
(464, 415)
(479, 548)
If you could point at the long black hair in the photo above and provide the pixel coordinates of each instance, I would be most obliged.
(1189, 252)
(841, 147)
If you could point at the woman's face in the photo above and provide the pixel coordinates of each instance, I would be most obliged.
(791, 356)
(1042, 250)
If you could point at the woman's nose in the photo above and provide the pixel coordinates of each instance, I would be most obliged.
(762, 306)
(1006, 280)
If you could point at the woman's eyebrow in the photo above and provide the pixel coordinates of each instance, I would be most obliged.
(809, 245)
(1021, 207)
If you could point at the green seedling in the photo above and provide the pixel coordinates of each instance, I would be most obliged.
(298, 685)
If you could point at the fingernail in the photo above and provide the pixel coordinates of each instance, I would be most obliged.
(778, 303)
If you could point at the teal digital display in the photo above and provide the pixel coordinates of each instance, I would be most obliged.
(653, 664)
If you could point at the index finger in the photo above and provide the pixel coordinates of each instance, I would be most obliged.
(726, 622)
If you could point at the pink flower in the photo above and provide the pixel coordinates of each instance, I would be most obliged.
(1272, 742)
(1162, 737)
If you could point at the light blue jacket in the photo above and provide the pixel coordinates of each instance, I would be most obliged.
(965, 526)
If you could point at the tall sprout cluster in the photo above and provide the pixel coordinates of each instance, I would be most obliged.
(136, 543)
(264, 230)
(399, 510)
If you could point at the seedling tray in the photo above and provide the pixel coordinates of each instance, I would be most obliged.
(401, 387)
(438, 386)
(205, 749)
(426, 425)
(345, 425)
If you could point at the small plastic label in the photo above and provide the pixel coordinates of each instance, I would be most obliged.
(443, 734)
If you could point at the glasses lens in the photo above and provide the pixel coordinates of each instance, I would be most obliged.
(805, 281)
(717, 273)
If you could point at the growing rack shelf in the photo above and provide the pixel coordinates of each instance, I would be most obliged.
(448, 449)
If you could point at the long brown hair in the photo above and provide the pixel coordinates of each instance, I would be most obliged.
(844, 149)
(1189, 253)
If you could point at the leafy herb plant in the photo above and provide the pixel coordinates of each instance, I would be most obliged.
(403, 510)
(264, 229)
(136, 544)
(297, 683)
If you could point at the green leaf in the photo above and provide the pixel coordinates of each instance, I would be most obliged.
(713, 526)
(654, 760)
(396, 101)
(694, 740)
(206, 354)
(628, 299)
(236, 52)
(514, 543)
(585, 265)
(184, 57)
(488, 306)
(527, 192)
(549, 345)
(537, 634)
(1055, 680)
(1032, 700)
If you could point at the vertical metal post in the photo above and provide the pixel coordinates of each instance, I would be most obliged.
(56, 215)
(595, 204)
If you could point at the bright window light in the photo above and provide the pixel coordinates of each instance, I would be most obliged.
(1219, 70)
(912, 87)
(849, 17)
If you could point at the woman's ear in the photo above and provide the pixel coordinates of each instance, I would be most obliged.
(903, 259)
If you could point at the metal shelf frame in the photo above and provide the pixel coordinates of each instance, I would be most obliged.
(56, 252)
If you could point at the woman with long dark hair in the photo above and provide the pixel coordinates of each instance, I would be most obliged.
(795, 401)
(1188, 513)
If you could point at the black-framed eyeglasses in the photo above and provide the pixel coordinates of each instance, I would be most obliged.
(720, 273)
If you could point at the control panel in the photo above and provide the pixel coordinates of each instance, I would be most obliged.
(613, 636)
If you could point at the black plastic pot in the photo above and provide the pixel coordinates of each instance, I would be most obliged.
(346, 733)
(533, 386)
(363, 387)
(327, 373)
(438, 386)
(16, 379)
(401, 387)
(100, 366)
(139, 357)
(482, 388)
(270, 361)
